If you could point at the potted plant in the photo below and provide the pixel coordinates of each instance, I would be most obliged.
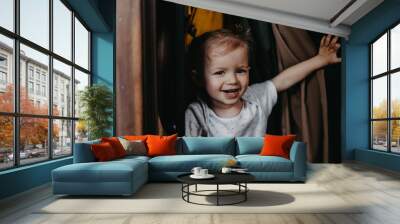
(96, 102)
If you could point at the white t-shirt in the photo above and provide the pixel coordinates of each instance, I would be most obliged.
(259, 99)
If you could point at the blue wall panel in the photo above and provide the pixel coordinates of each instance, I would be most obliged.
(24, 178)
(355, 103)
(103, 60)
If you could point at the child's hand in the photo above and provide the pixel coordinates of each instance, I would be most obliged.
(328, 49)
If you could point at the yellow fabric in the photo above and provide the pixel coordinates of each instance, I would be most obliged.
(203, 21)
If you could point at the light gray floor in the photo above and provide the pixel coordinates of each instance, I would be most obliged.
(377, 188)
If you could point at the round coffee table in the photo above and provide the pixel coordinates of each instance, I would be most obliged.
(238, 179)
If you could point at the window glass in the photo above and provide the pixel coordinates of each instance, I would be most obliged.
(62, 29)
(81, 82)
(395, 95)
(379, 98)
(39, 61)
(34, 21)
(395, 136)
(33, 139)
(62, 91)
(6, 142)
(7, 14)
(395, 47)
(6, 74)
(81, 131)
(62, 137)
(379, 135)
(81, 45)
(379, 56)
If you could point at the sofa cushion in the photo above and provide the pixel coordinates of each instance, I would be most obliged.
(206, 145)
(249, 145)
(277, 145)
(103, 152)
(185, 163)
(83, 152)
(135, 137)
(133, 158)
(116, 145)
(161, 145)
(134, 147)
(257, 163)
(111, 171)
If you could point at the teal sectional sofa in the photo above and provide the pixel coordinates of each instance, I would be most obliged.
(125, 176)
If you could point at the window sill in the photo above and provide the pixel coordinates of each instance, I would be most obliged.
(30, 166)
(382, 159)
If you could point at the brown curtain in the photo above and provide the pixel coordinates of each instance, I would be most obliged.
(304, 106)
(149, 78)
(136, 101)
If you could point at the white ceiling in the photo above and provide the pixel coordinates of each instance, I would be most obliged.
(325, 16)
(321, 9)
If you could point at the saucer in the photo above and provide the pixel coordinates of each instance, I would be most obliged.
(208, 176)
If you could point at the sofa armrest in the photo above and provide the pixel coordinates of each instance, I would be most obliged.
(83, 152)
(298, 155)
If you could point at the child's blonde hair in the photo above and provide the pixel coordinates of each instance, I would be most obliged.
(200, 46)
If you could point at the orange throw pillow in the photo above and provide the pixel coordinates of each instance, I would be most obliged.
(116, 145)
(103, 151)
(161, 145)
(276, 145)
(135, 137)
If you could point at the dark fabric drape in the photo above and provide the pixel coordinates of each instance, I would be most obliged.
(304, 106)
(149, 79)
(170, 61)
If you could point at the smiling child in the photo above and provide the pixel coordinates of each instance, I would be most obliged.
(228, 106)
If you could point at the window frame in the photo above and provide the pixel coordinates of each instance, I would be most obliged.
(16, 115)
(388, 74)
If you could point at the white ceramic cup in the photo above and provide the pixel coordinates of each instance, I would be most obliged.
(196, 171)
(226, 170)
(203, 172)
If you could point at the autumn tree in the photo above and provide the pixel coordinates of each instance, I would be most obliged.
(33, 131)
(380, 127)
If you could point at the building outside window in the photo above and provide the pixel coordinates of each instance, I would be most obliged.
(43, 90)
(3, 72)
(3, 81)
(30, 72)
(43, 77)
(30, 87)
(38, 89)
(385, 91)
(37, 74)
(3, 61)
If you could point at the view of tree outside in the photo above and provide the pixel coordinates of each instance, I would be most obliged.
(386, 130)
(379, 128)
(33, 131)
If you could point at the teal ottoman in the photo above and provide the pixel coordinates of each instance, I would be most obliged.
(118, 177)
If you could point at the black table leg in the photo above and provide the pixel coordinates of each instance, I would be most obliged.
(217, 194)
(245, 193)
(188, 189)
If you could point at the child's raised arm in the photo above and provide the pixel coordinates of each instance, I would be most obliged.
(326, 55)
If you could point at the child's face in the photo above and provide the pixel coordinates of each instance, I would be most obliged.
(226, 75)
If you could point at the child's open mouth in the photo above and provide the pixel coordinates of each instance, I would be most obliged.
(231, 93)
